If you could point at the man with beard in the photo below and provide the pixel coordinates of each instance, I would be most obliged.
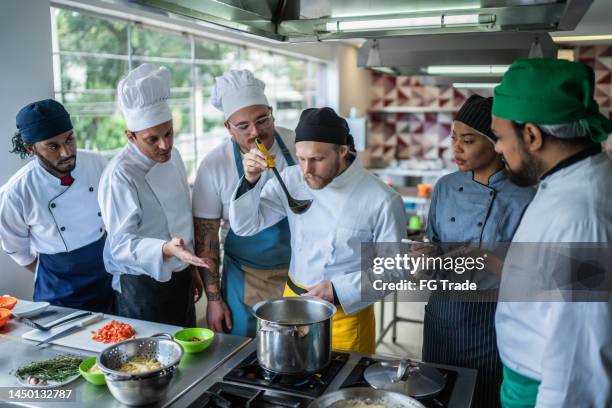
(255, 267)
(350, 206)
(49, 216)
(146, 207)
(549, 128)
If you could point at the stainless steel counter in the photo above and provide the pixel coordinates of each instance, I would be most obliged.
(197, 373)
(15, 352)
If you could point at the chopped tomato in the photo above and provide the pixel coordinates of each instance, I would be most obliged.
(7, 302)
(113, 332)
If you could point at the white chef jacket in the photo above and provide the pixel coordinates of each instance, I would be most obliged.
(218, 176)
(144, 204)
(40, 216)
(567, 346)
(326, 240)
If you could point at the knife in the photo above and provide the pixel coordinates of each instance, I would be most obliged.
(63, 320)
(74, 328)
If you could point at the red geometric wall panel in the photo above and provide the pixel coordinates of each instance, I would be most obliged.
(426, 135)
(600, 59)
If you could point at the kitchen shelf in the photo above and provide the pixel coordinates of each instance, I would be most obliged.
(412, 109)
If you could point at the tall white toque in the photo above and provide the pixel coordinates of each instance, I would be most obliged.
(143, 97)
(237, 89)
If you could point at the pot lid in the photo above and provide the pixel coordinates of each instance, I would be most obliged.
(407, 377)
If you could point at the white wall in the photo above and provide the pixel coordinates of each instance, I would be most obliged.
(26, 75)
(353, 82)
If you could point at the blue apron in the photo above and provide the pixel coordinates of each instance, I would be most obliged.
(75, 279)
(268, 249)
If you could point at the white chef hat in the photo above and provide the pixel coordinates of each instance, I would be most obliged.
(237, 89)
(143, 96)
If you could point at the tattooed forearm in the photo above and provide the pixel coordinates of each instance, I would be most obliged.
(213, 296)
(206, 233)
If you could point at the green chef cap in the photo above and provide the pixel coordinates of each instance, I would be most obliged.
(550, 92)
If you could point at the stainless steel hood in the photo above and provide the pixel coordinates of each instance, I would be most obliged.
(414, 55)
(317, 20)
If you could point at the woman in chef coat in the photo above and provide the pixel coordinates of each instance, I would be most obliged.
(480, 207)
(146, 207)
(49, 216)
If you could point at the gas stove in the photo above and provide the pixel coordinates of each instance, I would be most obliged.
(222, 395)
(356, 379)
(313, 385)
(241, 382)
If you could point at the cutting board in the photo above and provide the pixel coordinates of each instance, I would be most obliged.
(82, 339)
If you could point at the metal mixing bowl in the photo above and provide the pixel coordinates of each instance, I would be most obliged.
(146, 387)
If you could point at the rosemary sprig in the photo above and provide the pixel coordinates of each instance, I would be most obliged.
(56, 369)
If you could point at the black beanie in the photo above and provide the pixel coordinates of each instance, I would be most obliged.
(323, 125)
(476, 113)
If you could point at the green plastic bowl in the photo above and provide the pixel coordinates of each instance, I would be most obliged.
(94, 378)
(182, 337)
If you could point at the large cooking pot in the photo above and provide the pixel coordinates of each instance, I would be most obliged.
(294, 334)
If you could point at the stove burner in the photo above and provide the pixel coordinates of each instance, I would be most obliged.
(234, 396)
(250, 372)
(299, 384)
(356, 379)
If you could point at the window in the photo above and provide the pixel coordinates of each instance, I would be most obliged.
(92, 53)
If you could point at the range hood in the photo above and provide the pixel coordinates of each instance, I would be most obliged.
(463, 55)
(318, 20)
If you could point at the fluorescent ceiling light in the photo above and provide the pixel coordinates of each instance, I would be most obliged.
(474, 4)
(466, 69)
(384, 70)
(411, 22)
(461, 19)
(579, 38)
(378, 24)
(474, 85)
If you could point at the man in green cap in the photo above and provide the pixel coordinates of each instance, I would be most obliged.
(549, 129)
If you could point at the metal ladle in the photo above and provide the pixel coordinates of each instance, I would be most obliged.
(297, 206)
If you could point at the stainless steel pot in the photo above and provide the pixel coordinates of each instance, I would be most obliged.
(140, 388)
(366, 396)
(294, 334)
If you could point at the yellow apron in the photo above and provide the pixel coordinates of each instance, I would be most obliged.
(351, 333)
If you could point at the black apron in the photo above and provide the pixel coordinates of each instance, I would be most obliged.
(463, 334)
(144, 298)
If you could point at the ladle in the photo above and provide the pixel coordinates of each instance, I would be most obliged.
(297, 206)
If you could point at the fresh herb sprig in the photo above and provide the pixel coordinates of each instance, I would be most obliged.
(56, 369)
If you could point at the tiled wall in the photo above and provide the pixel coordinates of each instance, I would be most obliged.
(600, 59)
(426, 134)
